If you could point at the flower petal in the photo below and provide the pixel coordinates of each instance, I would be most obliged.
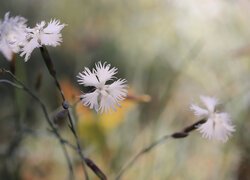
(12, 35)
(223, 127)
(118, 89)
(51, 39)
(104, 72)
(106, 103)
(91, 100)
(29, 47)
(198, 111)
(206, 129)
(5, 49)
(209, 102)
(54, 27)
(87, 78)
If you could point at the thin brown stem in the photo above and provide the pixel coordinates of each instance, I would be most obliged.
(140, 154)
(20, 85)
(52, 71)
(177, 135)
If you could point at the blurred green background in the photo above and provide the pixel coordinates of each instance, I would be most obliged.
(172, 51)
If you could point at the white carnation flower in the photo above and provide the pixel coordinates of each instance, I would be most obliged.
(12, 35)
(105, 96)
(218, 125)
(41, 35)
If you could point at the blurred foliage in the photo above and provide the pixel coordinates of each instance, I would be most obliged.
(172, 51)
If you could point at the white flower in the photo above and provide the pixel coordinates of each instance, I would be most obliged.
(40, 35)
(218, 125)
(105, 96)
(12, 35)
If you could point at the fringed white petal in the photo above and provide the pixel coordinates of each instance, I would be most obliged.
(12, 35)
(209, 102)
(6, 50)
(206, 129)
(51, 39)
(87, 78)
(107, 102)
(54, 27)
(198, 111)
(91, 100)
(223, 127)
(118, 89)
(39, 26)
(28, 48)
(104, 72)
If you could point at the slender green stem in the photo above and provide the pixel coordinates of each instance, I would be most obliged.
(141, 153)
(52, 71)
(20, 85)
(5, 81)
(177, 135)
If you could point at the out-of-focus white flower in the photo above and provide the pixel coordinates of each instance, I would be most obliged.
(105, 96)
(218, 125)
(41, 35)
(12, 35)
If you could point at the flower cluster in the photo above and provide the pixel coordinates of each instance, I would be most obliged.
(218, 125)
(16, 37)
(41, 35)
(12, 35)
(105, 96)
